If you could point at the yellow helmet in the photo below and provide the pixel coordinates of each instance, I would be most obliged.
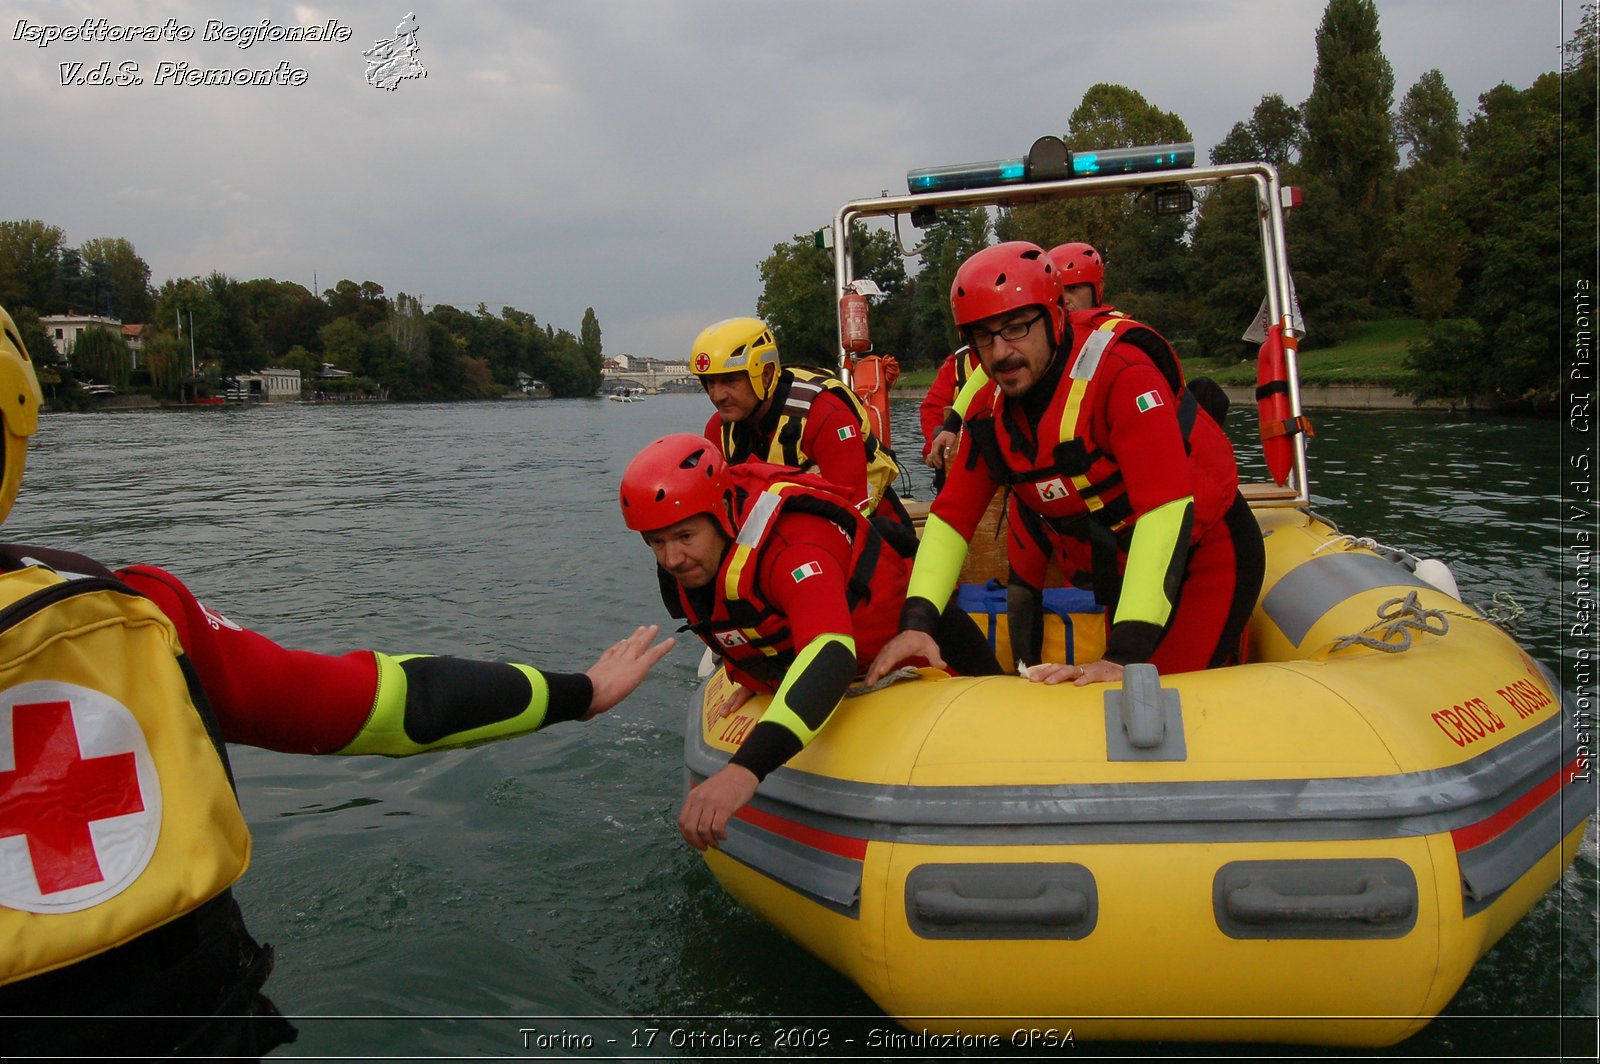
(20, 400)
(733, 345)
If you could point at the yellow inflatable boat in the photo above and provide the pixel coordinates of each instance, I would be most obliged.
(1314, 846)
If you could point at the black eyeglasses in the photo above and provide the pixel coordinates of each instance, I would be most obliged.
(983, 339)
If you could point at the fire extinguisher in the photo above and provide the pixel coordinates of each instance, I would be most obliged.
(853, 334)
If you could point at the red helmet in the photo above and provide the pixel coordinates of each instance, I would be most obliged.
(1080, 264)
(1004, 277)
(676, 477)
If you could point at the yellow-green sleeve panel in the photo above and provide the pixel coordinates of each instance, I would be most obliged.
(425, 702)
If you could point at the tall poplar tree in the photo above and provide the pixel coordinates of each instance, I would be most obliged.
(1348, 161)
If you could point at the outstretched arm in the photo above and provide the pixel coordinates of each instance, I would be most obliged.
(367, 702)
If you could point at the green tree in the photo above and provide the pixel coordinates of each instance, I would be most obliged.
(187, 310)
(166, 359)
(102, 355)
(345, 345)
(1273, 135)
(589, 339)
(1432, 242)
(237, 344)
(74, 290)
(364, 303)
(1428, 124)
(113, 263)
(407, 330)
(1349, 135)
(1529, 157)
(1350, 157)
(30, 257)
(1108, 116)
(797, 296)
(285, 315)
(946, 244)
(1226, 277)
(566, 368)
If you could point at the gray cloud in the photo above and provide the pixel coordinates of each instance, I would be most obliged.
(637, 157)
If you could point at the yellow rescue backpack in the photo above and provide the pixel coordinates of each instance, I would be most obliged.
(117, 810)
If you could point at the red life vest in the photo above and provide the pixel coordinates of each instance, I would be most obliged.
(1074, 486)
(741, 625)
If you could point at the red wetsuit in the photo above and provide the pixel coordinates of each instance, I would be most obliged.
(1183, 606)
(939, 401)
(824, 596)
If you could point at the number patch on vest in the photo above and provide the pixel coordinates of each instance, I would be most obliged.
(731, 639)
(1051, 490)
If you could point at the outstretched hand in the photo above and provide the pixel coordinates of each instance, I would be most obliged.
(623, 667)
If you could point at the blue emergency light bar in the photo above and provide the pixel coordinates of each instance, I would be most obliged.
(1142, 160)
(967, 175)
(1049, 160)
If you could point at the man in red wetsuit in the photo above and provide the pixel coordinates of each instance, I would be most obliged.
(791, 415)
(788, 583)
(1096, 434)
(1083, 278)
(128, 942)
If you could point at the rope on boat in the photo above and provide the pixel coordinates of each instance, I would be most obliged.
(1349, 542)
(1397, 619)
(1505, 611)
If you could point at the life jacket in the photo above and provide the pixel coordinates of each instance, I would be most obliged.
(797, 388)
(117, 813)
(1069, 484)
(741, 625)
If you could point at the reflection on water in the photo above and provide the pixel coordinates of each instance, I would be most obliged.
(544, 877)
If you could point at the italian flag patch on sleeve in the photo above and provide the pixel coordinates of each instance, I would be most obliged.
(847, 433)
(1148, 401)
(808, 569)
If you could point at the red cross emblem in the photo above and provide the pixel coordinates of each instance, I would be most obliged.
(702, 362)
(75, 762)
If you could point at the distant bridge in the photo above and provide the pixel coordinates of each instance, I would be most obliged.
(648, 378)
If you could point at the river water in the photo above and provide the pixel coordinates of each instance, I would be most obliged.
(437, 906)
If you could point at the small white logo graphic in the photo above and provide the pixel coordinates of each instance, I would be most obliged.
(1051, 490)
(732, 639)
(217, 621)
(393, 61)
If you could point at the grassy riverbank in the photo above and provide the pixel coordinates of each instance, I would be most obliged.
(1374, 353)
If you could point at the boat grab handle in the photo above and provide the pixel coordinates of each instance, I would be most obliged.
(1054, 906)
(1375, 901)
(1144, 721)
(1141, 706)
(1004, 900)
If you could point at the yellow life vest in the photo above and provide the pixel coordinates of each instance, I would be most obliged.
(117, 811)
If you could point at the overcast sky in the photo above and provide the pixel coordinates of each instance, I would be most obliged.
(637, 156)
